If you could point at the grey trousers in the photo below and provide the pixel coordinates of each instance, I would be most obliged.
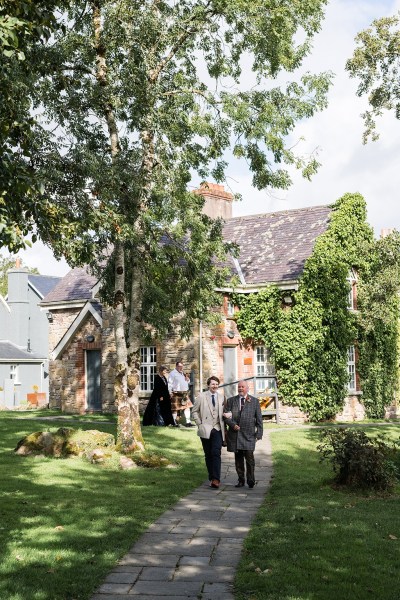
(240, 457)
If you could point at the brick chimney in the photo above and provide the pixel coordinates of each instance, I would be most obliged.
(218, 202)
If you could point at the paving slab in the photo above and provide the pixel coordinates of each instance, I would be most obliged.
(160, 588)
(191, 551)
(156, 574)
(124, 576)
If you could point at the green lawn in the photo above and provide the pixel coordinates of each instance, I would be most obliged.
(312, 542)
(65, 523)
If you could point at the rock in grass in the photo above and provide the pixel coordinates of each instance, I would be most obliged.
(64, 442)
(127, 463)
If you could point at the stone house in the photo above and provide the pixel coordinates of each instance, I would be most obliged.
(273, 248)
(24, 331)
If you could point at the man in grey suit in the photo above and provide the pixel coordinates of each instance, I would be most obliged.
(243, 415)
(207, 413)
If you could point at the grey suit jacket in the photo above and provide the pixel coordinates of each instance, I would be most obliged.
(249, 421)
(202, 413)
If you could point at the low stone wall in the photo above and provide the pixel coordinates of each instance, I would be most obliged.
(353, 410)
(291, 415)
(393, 411)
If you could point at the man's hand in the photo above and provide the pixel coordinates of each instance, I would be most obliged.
(236, 428)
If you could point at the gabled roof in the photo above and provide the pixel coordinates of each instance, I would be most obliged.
(273, 247)
(10, 352)
(43, 284)
(90, 308)
(76, 285)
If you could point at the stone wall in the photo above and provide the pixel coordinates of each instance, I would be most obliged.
(291, 415)
(67, 373)
(353, 409)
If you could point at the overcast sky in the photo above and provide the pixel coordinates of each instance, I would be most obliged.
(347, 164)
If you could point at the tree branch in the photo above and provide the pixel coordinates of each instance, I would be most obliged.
(154, 73)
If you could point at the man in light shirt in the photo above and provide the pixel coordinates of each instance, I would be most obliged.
(178, 388)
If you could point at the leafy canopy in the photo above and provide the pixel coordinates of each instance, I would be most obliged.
(143, 95)
(24, 206)
(376, 62)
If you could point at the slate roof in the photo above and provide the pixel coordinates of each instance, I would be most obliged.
(273, 249)
(274, 246)
(43, 283)
(10, 352)
(76, 285)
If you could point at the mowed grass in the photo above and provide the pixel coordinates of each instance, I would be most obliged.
(311, 541)
(64, 523)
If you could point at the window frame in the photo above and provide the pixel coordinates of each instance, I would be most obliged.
(263, 367)
(230, 308)
(351, 368)
(352, 280)
(14, 373)
(148, 367)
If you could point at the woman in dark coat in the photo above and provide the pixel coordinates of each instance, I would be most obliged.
(158, 410)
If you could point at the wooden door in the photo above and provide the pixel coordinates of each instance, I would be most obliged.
(93, 390)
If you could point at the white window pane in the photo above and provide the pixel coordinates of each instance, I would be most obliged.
(352, 377)
(260, 352)
(261, 385)
(152, 375)
(143, 378)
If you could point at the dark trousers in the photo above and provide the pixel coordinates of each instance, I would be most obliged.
(212, 453)
(240, 457)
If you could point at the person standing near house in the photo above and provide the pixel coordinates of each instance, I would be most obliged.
(243, 415)
(158, 409)
(208, 415)
(179, 390)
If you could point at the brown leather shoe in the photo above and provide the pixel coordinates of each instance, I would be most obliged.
(214, 483)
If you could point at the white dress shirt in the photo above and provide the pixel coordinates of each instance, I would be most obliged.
(177, 382)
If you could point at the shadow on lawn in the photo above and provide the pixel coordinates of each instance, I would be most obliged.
(64, 523)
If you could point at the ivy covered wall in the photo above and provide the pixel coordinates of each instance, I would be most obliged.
(378, 326)
(310, 340)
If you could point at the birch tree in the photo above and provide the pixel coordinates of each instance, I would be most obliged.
(143, 96)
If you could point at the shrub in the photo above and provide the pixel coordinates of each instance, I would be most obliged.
(359, 461)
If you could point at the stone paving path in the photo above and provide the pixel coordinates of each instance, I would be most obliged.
(193, 549)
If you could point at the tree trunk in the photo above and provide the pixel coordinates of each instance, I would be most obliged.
(127, 372)
(127, 379)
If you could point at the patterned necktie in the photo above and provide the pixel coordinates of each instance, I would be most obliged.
(213, 400)
(241, 403)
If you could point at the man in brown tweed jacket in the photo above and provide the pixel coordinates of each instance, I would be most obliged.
(243, 415)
